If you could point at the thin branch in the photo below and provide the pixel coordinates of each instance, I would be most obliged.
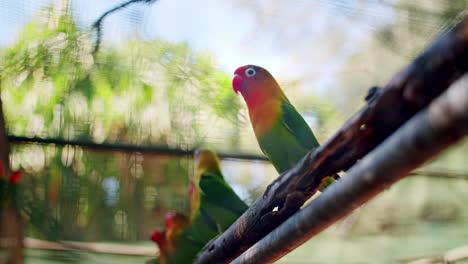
(441, 174)
(149, 149)
(424, 136)
(407, 93)
(97, 25)
(101, 248)
(178, 152)
(456, 254)
(451, 256)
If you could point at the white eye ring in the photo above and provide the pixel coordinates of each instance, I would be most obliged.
(249, 72)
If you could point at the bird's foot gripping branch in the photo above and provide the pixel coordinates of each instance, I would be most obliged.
(410, 91)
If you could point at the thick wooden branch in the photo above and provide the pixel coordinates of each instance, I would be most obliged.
(388, 108)
(443, 123)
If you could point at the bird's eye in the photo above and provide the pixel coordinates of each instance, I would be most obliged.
(249, 72)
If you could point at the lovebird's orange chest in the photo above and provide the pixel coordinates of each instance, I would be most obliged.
(264, 117)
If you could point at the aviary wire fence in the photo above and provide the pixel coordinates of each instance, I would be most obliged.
(407, 122)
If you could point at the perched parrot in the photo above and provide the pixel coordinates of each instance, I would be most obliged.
(175, 223)
(159, 237)
(282, 133)
(174, 243)
(166, 239)
(214, 205)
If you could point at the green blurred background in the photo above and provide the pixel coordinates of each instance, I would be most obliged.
(177, 95)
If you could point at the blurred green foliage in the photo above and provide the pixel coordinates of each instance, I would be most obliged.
(141, 93)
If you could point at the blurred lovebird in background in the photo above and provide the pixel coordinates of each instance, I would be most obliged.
(214, 206)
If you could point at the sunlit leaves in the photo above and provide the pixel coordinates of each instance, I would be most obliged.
(139, 93)
(52, 63)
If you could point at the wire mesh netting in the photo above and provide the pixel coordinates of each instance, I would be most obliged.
(161, 77)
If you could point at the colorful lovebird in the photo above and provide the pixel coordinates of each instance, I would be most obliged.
(282, 133)
(214, 206)
(174, 243)
(212, 199)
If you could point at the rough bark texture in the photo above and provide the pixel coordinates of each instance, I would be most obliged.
(388, 108)
(443, 123)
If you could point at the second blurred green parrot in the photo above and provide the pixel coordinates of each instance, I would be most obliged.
(282, 133)
(214, 204)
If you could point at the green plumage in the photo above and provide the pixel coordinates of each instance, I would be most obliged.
(282, 133)
(215, 207)
(219, 201)
(219, 208)
(288, 140)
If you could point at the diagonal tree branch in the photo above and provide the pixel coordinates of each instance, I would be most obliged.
(97, 25)
(443, 123)
(388, 108)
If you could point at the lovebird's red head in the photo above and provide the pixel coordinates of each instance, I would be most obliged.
(15, 177)
(159, 238)
(175, 220)
(256, 85)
